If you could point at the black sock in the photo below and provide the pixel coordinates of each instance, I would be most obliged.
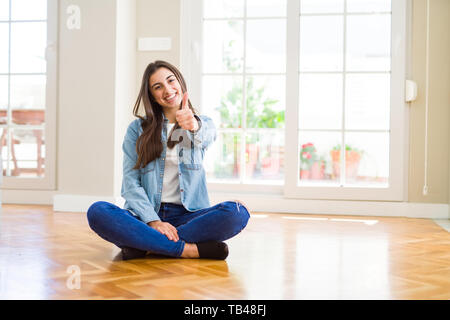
(132, 253)
(212, 250)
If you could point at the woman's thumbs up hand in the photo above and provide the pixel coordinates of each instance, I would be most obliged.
(185, 116)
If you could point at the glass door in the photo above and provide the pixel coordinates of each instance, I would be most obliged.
(27, 92)
(346, 83)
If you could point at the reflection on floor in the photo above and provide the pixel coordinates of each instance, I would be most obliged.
(278, 256)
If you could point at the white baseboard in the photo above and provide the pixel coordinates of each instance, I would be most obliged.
(16, 196)
(80, 203)
(267, 203)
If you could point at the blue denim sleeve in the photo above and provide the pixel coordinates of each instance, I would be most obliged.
(206, 134)
(132, 190)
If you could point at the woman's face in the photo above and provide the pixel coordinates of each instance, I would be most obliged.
(165, 88)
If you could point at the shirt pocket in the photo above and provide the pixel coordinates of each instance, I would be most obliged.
(191, 158)
(190, 166)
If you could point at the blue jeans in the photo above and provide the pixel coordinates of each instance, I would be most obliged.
(220, 222)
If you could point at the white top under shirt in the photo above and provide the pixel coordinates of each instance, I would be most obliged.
(171, 183)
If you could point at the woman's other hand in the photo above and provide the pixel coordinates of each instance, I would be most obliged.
(185, 116)
(165, 228)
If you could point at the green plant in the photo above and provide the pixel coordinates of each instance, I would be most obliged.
(230, 108)
(265, 118)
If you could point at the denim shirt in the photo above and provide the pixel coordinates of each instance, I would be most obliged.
(142, 188)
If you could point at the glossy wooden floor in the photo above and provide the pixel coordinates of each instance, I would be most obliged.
(278, 256)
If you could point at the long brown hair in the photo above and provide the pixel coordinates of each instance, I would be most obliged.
(149, 145)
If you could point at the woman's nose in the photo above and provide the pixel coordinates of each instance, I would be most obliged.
(165, 89)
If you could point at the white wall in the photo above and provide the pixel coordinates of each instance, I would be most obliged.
(87, 99)
(97, 88)
(439, 103)
(158, 19)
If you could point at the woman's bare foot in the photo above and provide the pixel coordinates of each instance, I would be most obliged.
(190, 251)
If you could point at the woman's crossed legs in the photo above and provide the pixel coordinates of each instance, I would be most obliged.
(119, 226)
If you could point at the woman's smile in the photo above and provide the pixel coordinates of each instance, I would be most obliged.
(171, 98)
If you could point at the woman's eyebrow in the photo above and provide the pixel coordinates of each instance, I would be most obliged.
(166, 79)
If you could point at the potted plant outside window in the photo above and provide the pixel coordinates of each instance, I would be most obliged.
(312, 167)
(352, 160)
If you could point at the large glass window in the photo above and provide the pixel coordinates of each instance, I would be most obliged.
(306, 94)
(344, 92)
(23, 85)
(243, 89)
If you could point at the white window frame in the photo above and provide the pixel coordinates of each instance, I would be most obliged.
(191, 57)
(47, 182)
